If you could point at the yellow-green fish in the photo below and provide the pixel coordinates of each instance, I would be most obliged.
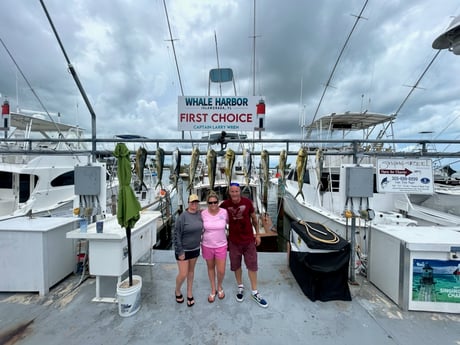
(141, 158)
(192, 168)
(247, 166)
(282, 165)
(159, 163)
(300, 165)
(211, 162)
(229, 162)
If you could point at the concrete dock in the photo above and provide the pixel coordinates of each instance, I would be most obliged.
(68, 316)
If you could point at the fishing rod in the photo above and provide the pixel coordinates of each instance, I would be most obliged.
(328, 83)
(79, 85)
(413, 87)
(30, 86)
(174, 53)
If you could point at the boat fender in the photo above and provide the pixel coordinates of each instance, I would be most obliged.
(348, 214)
(367, 214)
(370, 214)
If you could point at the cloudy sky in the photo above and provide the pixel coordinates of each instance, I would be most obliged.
(123, 56)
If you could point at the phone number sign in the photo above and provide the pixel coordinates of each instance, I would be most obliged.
(414, 176)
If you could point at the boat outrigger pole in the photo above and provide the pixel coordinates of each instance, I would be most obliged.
(80, 87)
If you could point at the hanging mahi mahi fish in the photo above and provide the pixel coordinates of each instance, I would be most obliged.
(301, 163)
(175, 167)
(211, 162)
(229, 162)
(141, 158)
(282, 166)
(247, 167)
(192, 169)
(265, 163)
(159, 163)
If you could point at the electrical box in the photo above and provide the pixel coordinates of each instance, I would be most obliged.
(87, 180)
(360, 182)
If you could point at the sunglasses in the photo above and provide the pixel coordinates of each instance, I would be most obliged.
(235, 184)
(213, 202)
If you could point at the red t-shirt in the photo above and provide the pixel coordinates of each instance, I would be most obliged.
(239, 225)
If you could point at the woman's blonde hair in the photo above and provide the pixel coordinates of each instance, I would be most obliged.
(212, 194)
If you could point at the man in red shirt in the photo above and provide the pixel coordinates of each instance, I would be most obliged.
(242, 241)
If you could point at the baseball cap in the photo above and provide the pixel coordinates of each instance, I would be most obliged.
(193, 197)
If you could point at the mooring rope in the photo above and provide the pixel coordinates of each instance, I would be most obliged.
(308, 227)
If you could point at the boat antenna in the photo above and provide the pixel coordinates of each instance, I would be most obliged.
(328, 83)
(413, 87)
(171, 39)
(29, 85)
(301, 110)
(218, 64)
(254, 53)
(254, 37)
(79, 85)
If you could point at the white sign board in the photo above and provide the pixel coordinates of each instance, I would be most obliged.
(214, 113)
(414, 176)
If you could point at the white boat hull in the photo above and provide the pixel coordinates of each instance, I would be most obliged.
(445, 199)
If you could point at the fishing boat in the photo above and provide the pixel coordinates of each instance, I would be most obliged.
(446, 196)
(334, 191)
(33, 180)
(324, 180)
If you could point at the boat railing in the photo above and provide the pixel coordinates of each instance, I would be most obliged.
(351, 147)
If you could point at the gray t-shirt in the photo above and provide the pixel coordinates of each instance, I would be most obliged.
(187, 232)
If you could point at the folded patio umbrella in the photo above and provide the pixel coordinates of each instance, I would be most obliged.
(128, 205)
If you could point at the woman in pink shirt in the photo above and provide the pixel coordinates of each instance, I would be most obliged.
(214, 244)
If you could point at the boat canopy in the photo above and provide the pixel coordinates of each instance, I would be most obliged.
(38, 124)
(350, 121)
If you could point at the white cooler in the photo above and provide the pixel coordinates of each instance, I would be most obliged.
(417, 267)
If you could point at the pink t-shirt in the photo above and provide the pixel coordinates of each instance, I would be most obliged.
(214, 235)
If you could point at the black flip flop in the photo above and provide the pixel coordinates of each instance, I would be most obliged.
(190, 301)
(180, 299)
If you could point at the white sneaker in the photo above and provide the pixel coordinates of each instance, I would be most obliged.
(240, 294)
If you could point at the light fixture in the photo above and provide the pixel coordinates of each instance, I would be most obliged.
(450, 38)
